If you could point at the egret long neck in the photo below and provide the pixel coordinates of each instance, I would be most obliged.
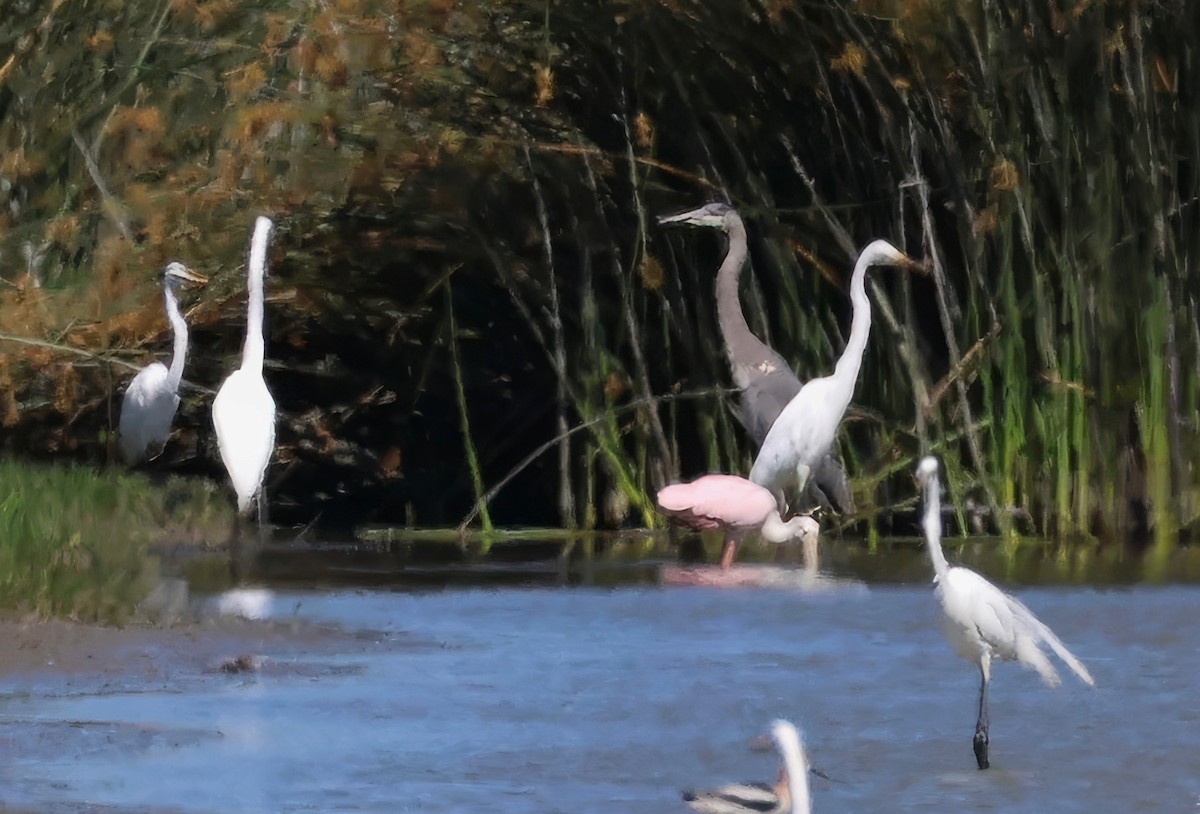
(254, 349)
(777, 530)
(797, 774)
(932, 522)
(180, 329)
(743, 347)
(860, 327)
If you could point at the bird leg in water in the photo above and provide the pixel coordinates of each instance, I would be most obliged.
(980, 741)
(260, 501)
(235, 548)
(264, 517)
(729, 549)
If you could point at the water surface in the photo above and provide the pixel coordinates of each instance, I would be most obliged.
(519, 698)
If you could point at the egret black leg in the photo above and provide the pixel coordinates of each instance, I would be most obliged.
(261, 501)
(980, 741)
(235, 547)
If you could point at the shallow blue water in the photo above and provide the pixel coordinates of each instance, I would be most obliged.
(603, 700)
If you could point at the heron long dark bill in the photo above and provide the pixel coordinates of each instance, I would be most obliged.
(766, 381)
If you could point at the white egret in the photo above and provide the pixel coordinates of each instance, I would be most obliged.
(981, 621)
(243, 411)
(764, 377)
(804, 432)
(150, 401)
(788, 796)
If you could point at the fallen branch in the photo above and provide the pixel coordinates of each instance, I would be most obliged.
(87, 354)
(110, 203)
(26, 43)
(966, 367)
(574, 149)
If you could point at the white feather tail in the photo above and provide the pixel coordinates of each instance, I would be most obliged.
(1038, 633)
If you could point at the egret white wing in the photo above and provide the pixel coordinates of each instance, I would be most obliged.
(244, 418)
(147, 410)
(1039, 632)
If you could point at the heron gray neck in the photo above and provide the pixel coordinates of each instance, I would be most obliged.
(860, 327)
(180, 329)
(745, 350)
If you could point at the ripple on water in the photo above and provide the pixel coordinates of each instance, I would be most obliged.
(581, 700)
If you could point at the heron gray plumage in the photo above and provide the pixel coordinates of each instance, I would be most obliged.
(765, 379)
(152, 398)
(789, 795)
(982, 622)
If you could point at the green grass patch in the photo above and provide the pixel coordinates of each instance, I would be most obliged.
(73, 540)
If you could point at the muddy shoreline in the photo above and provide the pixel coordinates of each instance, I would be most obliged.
(48, 658)
(42, 653)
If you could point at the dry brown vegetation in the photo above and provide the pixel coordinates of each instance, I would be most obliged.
(1042, 156)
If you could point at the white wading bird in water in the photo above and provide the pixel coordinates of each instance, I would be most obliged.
(788, 796)
(804, 432)
(981, 621)
(150, 401)
(764, 377)
(243, 411)
(736, 506)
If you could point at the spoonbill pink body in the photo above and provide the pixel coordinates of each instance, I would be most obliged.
(735, 505)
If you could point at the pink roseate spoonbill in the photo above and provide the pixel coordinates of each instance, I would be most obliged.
(764, 377)
(981, 621)
(804, 432)
(789, 795)
(149, 404)
(735, 505)
(243, 411)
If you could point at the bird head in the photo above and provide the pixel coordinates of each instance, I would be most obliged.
(806, 526)
(712, 216)
(927, 471)
(178, 274)
(882, 253)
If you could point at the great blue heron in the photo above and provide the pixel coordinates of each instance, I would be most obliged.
(981, 621)
(243, 411)
(788, 796)
(764, 377)
(150, 401)
(736, 506)
(802, 436)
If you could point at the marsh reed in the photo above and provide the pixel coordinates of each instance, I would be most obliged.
(1042, 157)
